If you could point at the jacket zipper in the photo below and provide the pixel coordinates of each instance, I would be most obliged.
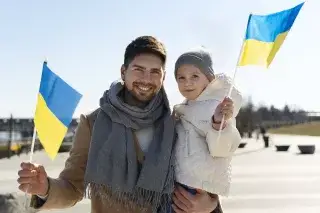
(187, 142)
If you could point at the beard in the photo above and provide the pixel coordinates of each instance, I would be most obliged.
(143, 92)
(140, 94)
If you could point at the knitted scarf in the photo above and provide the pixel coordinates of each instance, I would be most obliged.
(113, 171)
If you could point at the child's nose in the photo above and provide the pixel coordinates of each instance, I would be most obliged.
(188, 82)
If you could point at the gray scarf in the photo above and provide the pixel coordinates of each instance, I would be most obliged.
(112, 169)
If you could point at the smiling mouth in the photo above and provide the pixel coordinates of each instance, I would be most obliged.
(144, 88)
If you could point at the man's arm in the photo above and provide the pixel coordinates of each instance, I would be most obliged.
(66, 190)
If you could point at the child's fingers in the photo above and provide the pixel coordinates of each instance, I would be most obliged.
(227, 102)
(227, 99)
(227, 113)
(227, 108)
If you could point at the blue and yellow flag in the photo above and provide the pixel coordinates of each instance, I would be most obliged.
(265, 35)
(57, 102)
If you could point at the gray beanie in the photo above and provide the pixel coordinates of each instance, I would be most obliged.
(199, 58)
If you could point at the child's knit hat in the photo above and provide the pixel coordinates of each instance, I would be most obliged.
(200, 58)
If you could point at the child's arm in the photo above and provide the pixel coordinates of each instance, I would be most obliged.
(229, 139)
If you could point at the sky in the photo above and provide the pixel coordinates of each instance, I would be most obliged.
(84, 43)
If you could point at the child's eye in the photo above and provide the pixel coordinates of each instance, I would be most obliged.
(180, 78)
(195, 76)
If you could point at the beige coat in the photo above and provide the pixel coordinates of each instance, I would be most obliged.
(68, 189)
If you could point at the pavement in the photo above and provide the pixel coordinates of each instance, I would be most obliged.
(263, 180)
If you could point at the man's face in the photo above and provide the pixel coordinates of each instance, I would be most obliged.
(144, 76)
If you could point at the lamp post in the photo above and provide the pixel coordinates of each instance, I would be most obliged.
(10, 136)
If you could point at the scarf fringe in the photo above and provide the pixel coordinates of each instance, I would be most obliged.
(140, 199)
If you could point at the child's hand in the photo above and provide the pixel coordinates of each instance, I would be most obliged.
(225, 108)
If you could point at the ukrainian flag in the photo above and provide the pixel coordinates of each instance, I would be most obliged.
(57, 102)
(265, 35)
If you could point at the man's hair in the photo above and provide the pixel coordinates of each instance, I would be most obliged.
(144, 44)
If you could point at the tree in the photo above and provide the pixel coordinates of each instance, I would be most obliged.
(251, 117)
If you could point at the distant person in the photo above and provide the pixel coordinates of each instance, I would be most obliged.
(263, 130)
(265, 137)
(202, 162)
(260, 130)
(122, 152)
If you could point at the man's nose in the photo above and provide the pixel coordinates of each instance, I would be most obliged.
(146, 77)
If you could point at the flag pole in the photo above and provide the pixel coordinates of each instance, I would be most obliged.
(232, 85)
(30, 157)
(32, 151)
(30, 160)
(32, 143)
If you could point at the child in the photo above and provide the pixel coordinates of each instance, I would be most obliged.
(202, 162)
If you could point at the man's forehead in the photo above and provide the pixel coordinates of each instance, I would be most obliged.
(147, 59)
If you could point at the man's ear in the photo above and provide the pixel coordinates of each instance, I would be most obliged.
(164, 75)
(122, 71)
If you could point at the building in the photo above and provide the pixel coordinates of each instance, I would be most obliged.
(25, 125)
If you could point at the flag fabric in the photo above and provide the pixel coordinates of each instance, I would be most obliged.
(56, 104)
(265, 35)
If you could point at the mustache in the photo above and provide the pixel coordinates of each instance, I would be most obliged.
(137, 83)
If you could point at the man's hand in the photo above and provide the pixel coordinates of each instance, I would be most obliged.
(184, 202)
(33, 179)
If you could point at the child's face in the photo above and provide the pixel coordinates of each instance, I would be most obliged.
(191, 81)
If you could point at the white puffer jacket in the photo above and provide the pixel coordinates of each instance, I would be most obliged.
(202, 162)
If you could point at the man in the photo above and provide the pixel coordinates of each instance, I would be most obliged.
(121, 154)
